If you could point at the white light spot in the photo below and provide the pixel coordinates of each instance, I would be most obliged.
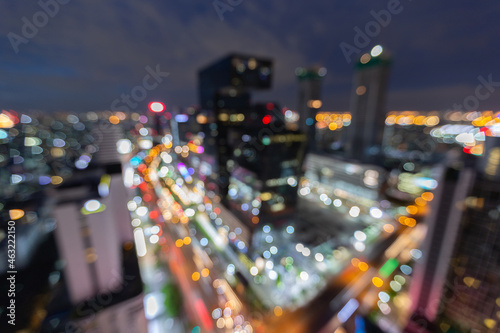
(376, 51)
(92, 205)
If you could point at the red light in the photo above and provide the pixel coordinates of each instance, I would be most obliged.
(143, 186)
(486, 131)
(202, 311)
(153, 214)
(147, 197)
(269, 106)
(467, 150)
(156, 107)
(266, 120)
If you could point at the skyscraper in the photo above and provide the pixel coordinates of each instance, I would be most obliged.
(364, 137)
(223, 88)
(259, 159)
(309, 103)
(443, 224)
(455, 285)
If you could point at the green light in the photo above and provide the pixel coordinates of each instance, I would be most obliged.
(266, 141)
(388, 267)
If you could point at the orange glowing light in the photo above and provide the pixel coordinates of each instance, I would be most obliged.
(427, 196)
(412, 209)
(278, 311)
(363, 266)
(420, 202)
(377, 282)
(114, 120)
(16, 214)
(410, 222)
(389, 228)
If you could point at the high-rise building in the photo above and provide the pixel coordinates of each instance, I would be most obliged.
(455, 284)
(364, 136)
(257, 155)
(236, 71)
(309, 103)
(443, 225)
(95, 242)
(471, 295)
(224, 88)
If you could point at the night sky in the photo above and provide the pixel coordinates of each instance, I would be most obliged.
(92, 51)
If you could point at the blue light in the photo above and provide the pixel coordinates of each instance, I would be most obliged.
(406, 269)
(181, 118)
(135, 161)
(359, 323)
(43, 180)
(290, 229)
(426, 183)
(348, 310)
(309, 121)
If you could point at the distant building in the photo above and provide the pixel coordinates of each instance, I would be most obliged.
(364, 136)
(309, 103)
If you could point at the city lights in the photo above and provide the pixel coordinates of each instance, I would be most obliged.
(243, 208)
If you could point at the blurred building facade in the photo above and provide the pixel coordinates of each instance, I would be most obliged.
(364, 137)
(259, 159)
(309, 101)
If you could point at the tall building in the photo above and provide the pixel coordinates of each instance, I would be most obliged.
(443, 225)
(224, 88)
(364, 137)
(455, 285)
(94, 239)
(257, 155)
(309, 103)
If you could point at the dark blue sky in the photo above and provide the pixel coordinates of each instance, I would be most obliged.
(92, 51)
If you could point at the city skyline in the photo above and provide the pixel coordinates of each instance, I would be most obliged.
(249, 167)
